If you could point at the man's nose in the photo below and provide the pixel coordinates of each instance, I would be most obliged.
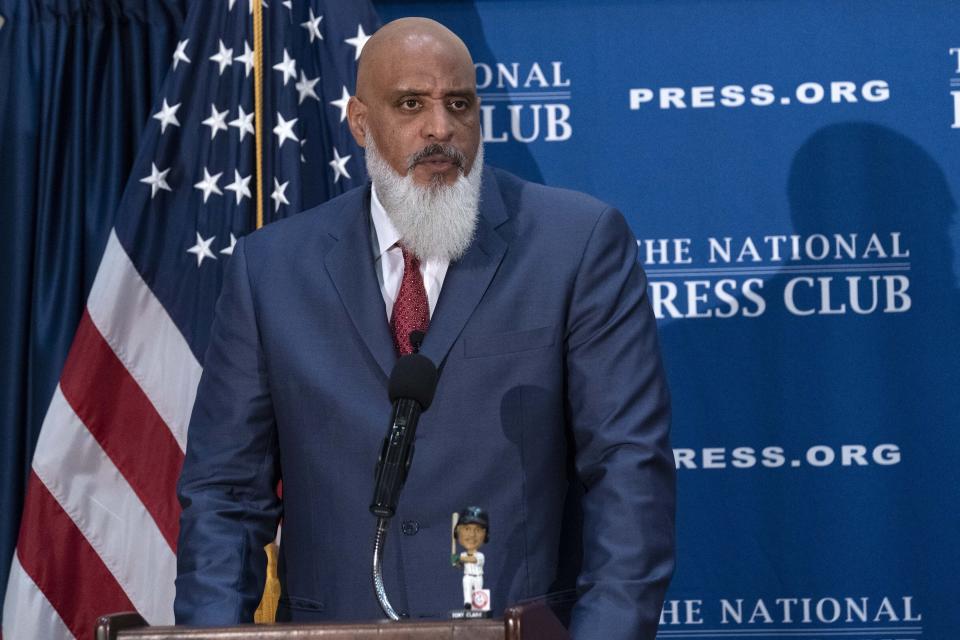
(438, 123)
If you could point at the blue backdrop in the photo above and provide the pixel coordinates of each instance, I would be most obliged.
(791, 171)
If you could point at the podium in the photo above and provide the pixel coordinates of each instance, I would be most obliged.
(533, 621)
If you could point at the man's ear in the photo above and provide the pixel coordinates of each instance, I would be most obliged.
(357, 117)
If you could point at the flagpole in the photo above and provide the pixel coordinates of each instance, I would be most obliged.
(267, 610)
(258, 103)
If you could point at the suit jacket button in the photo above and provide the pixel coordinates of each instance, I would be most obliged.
(410, 527)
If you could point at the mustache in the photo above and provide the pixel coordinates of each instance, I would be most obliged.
(437, 149)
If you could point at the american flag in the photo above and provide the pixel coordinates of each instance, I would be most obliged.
(100, 521)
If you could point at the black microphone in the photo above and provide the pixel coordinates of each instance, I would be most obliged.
(412, 384)
(416, 339)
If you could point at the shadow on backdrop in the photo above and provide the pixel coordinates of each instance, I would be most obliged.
(886, 374)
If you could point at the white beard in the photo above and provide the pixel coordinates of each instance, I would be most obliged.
(436, 221)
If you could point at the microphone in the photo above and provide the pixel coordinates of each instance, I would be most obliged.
(413, 382)
(416, 339)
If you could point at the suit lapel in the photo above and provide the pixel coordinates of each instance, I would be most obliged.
(350, 265)
(468, 278)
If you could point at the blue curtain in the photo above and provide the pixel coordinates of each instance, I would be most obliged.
(77, 79)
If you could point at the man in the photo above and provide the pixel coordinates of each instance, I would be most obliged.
(551, 407)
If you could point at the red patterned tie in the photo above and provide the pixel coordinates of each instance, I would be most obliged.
(411, 311)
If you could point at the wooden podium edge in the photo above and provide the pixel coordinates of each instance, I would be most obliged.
(532, 621)
(529, 621)
(109, 626)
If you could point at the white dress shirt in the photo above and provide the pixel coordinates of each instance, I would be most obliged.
(388, 259)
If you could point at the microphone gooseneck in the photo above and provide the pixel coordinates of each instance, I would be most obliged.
(379, 540)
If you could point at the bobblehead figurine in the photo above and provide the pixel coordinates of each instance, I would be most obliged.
(471, 528)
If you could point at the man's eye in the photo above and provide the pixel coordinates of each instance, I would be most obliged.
(459, 105)
(410, 103)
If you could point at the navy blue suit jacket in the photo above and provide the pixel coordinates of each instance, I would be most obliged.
(551, 412)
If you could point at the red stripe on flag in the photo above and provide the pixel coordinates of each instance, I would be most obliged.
(63, 565)
(122, 419)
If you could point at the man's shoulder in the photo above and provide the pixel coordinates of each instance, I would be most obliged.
(312, 225)
(524, 197)
(513, 186)
(547, 216)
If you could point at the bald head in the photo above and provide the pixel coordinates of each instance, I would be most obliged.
(416, 99)
(414, 38)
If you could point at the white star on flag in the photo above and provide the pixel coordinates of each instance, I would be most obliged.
(240, 186)
(243, 122)
(313, 26)
(157, 180)
(224, 57)
(288, 67)
(180, 55)
(358, 41)
(202, 249)
(246, 58)
(284, 130)
(342, 104)
(228, 251)
(305, 88)
(302, 142)
(209, 184)
(167, 116)
(278, 194)
(338, 165)
(216, 121)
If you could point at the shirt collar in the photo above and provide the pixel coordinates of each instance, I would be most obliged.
(387, 234)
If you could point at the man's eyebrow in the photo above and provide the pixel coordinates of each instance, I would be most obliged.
(413, 91)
